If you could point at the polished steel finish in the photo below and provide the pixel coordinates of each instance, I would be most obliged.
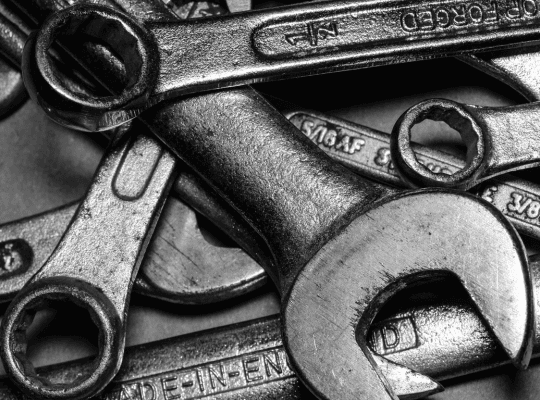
(440, 335)
(321, 224)
(95, 263)
(498, 140)
(179, 266)
(178, 242)
(12, 39)
(290, 41)
(367, 152)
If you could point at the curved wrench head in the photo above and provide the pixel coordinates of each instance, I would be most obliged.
(456, 116)
(334, 299)
(78, 110)
(20, 314)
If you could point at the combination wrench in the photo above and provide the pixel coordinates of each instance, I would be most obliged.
(324, 226)
(250, 47)
(298, 222)
(248, 360)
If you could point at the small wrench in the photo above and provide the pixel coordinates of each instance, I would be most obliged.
(498, 140)
(250, 47)
(248, 360)
(367, 152)
(95, 263)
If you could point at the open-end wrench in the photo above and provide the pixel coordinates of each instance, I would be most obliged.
(248, 360)
(290, 41)
(498, 140)
(329, 233)
(367, 152)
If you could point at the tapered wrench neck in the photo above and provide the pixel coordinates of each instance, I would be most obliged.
(268, 184)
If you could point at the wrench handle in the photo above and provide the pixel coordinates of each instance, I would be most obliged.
(262, 167)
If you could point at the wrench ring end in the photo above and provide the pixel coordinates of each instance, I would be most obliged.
(19, 317)
(126, 37)
(457, 117)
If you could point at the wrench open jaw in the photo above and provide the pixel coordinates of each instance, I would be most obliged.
(498, 140)
(433, 237)
(298, 200)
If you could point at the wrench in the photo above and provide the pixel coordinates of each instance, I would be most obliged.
(239, 49)
(299, 220)
(367, 152)
(96, 260)
(498, 140)
(163, 271)
(248, 360)
(298, 224)
(179, 266)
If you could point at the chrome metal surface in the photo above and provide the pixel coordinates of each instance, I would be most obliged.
(179, 266)
(498, 140)
(12, 39)
(327, 233)
(216, 273)
(439, 334)
(367, 152)
(94, 264)
(240, 49)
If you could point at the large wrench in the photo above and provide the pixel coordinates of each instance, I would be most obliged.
(240, 49)
(298, 200)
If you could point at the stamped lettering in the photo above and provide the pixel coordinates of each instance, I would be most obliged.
(209, 379)
(313, 33)
(393, 336)
(524, 206)
(466, 14)
(331, 137)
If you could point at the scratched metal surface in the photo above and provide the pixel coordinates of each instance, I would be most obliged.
(44, 166)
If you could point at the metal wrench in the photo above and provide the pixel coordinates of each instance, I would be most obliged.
(179, 266)
(498, 140)
(163, 271)
(367, 152)
(248, 360)
(250, 47)
(95, 263)
(276, 208)
(298, 219)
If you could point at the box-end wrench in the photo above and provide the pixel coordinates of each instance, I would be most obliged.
(249, 47)
(248, 360)
(298, 200)
(498, 140)
(95, 263)
(367, 152)
(180, 284)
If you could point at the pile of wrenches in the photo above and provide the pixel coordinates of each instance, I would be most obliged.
(316, 203)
